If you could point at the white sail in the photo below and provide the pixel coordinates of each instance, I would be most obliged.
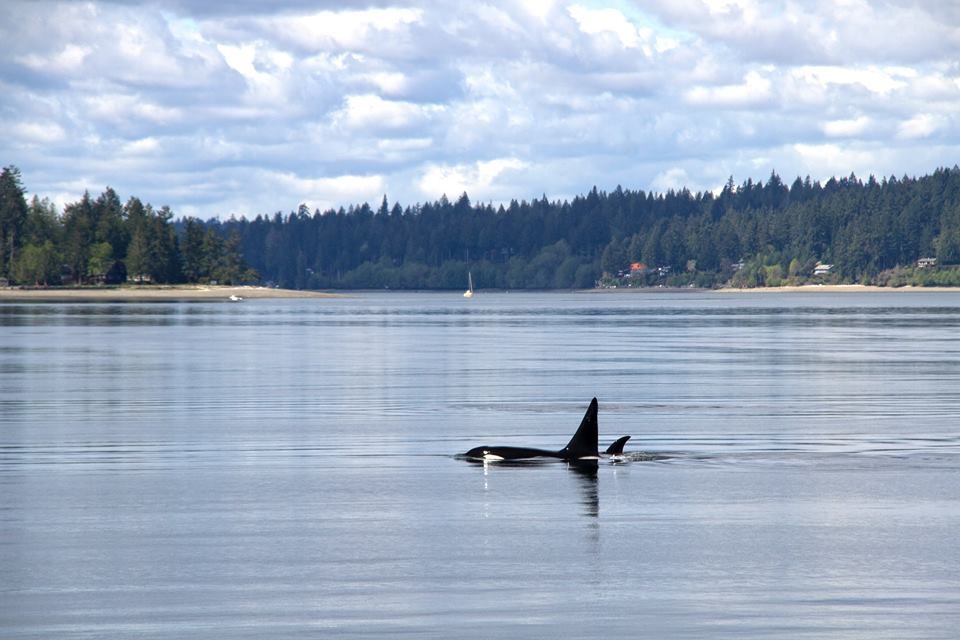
(469, 292)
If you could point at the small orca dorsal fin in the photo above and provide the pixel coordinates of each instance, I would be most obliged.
(616, 449)
(584, 441)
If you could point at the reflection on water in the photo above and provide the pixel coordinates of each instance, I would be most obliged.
(287, 468)
(586, 472)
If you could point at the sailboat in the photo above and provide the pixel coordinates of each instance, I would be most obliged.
(469, 292)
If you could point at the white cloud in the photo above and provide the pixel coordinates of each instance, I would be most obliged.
(404, 145)
(69, 59)
(817, 31)
(266, 70)
(120, 107)
(39, 132)
(497, 18)
(938, 86)
(823, 160)
(324, 192)
(143, 146)
(137, 42)
(388, 83)
(371, 112)
(674, 178)
(539, 9)
(881, 81)
(240, 58)
(846, 128)
(922, 125)
(598, 21)
(264, 191)
(754, 90)
(476, 179)
(489, 83)
(354, 30)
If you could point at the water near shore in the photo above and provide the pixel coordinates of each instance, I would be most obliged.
(285, 468)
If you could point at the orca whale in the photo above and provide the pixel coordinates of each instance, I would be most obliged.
(583, 446)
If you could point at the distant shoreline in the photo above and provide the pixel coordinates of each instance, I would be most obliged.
(806, 288)
(146, 293)
(842, 288)
(160, 293)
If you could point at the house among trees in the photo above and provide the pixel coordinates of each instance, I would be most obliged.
(821, 269)
(926, 263)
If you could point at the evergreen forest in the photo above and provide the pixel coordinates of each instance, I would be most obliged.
(891, 232)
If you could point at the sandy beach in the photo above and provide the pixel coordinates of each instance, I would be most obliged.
(840, 288)
(152, 293)
(213, 293)
(807, 288)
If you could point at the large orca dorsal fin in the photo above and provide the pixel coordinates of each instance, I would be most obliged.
(616, 449)
(584, 441)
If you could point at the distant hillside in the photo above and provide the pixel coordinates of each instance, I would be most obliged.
(889, 232)
(754, 234)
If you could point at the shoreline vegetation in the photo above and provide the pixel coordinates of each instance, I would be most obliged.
(148, 293)
(887, 232)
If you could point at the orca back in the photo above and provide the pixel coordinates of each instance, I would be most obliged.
(507, 453)
(584, 441)
(616, 449)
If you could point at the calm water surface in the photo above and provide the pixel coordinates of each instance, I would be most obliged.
(286, 469)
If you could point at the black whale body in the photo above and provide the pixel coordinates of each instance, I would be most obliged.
(583, 446)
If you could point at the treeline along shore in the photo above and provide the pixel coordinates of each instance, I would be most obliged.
(888, 232)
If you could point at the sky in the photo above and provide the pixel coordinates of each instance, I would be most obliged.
(243, 107)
